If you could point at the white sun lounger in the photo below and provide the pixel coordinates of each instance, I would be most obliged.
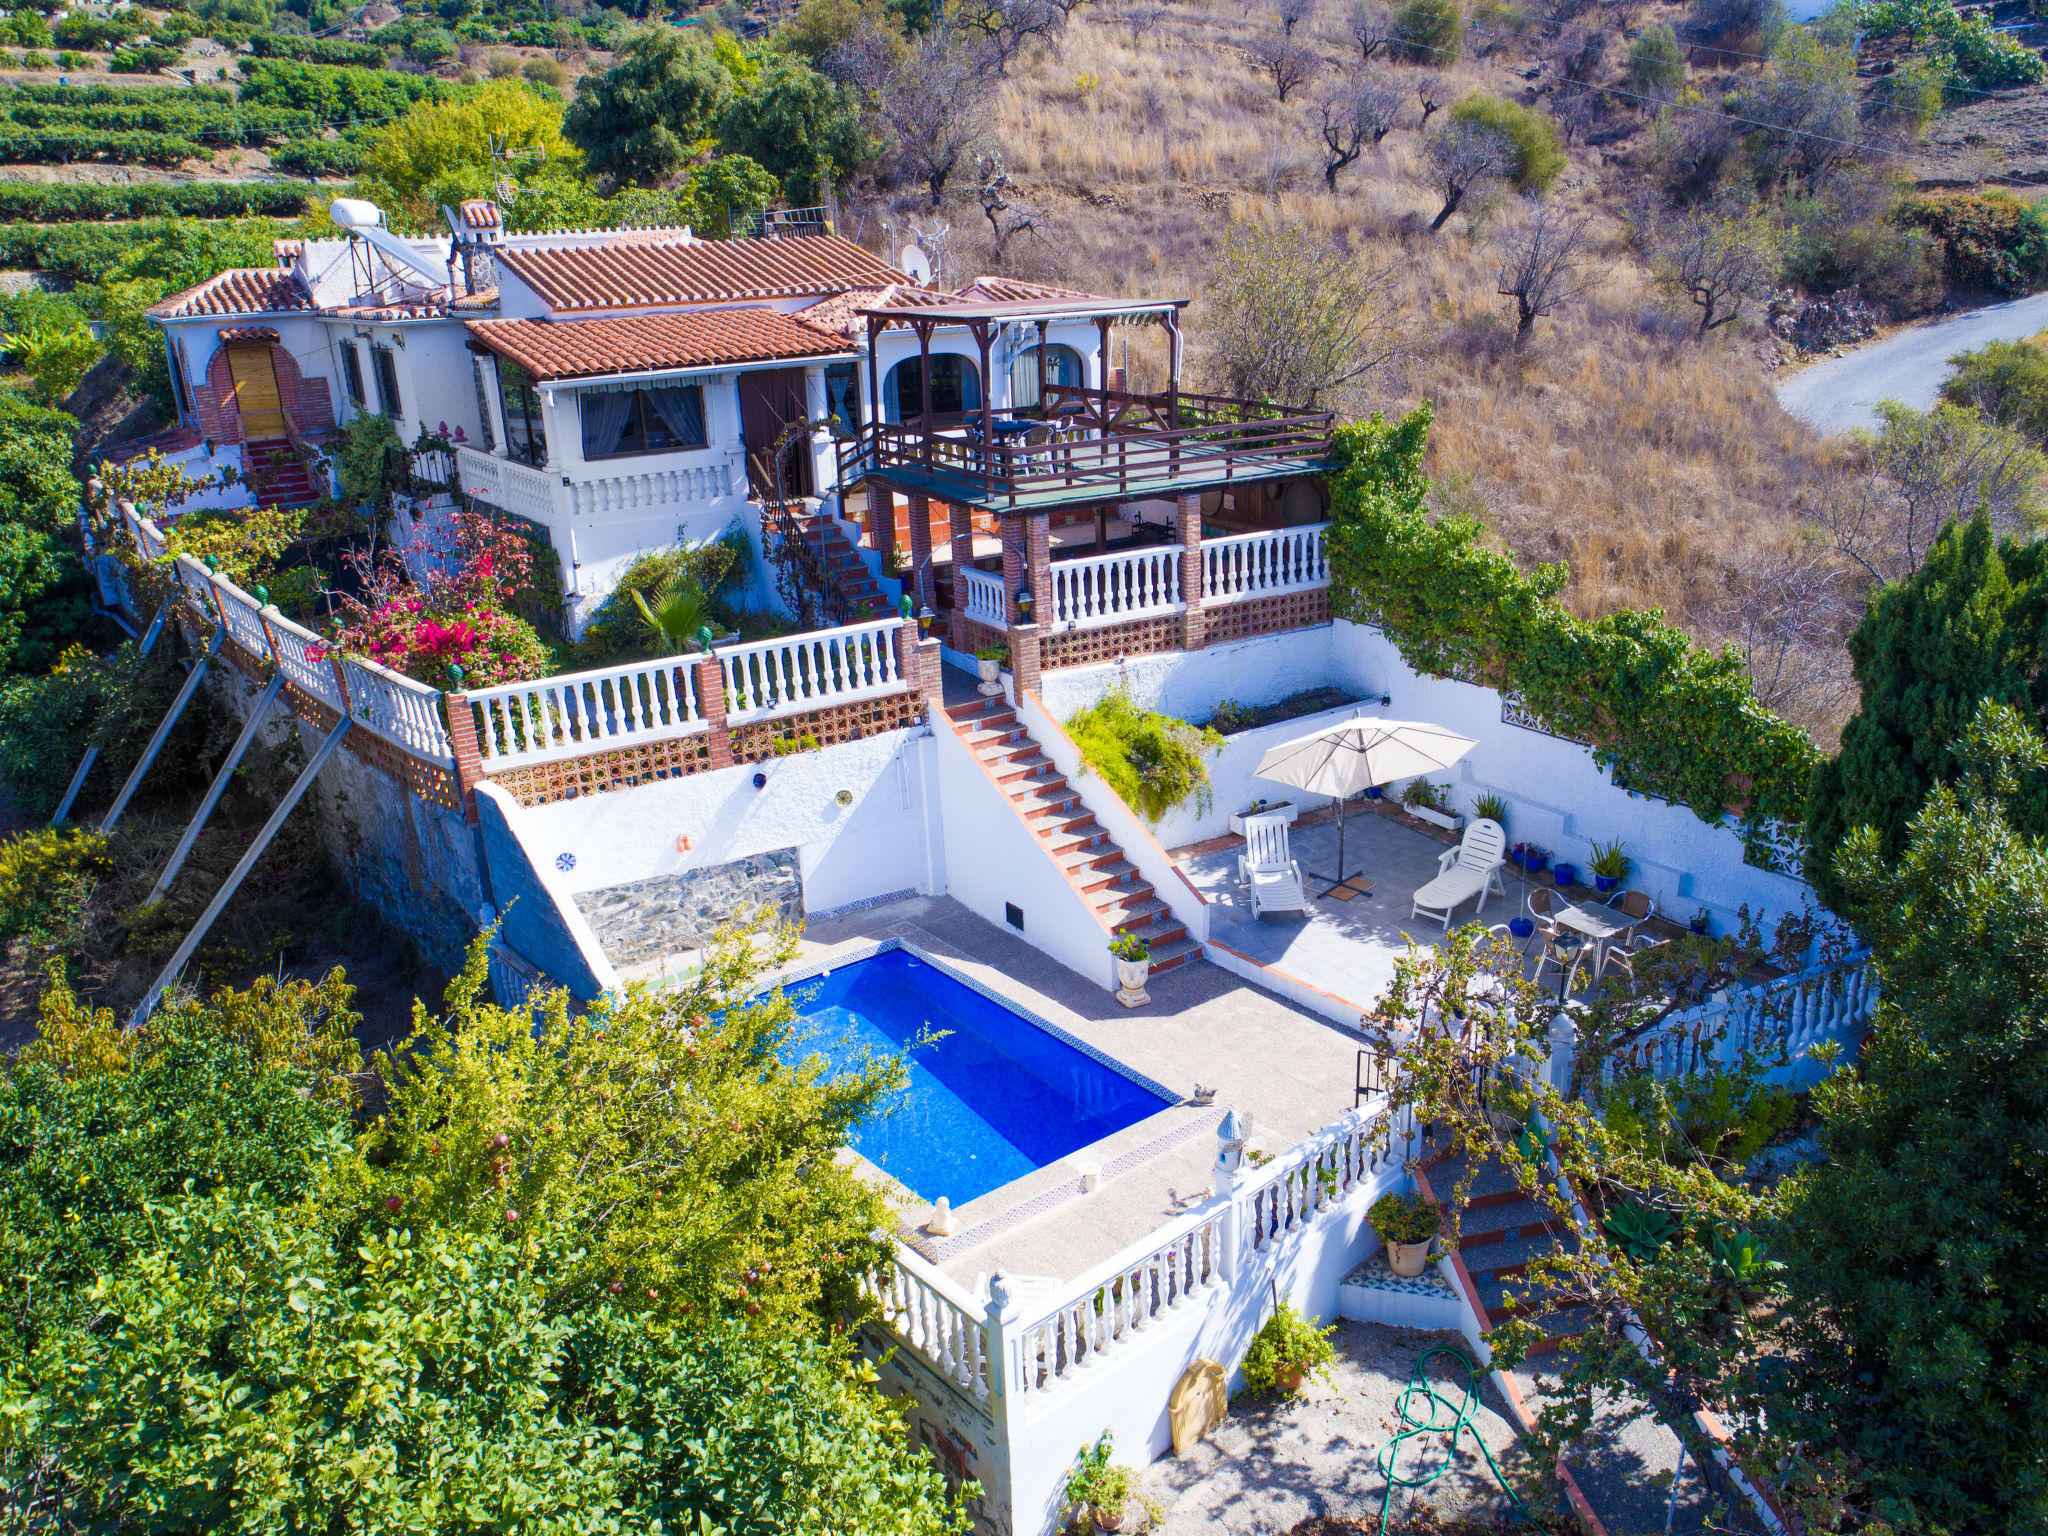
(1470, 869)
(1274, 876)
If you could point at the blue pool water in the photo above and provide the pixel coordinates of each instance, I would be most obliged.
(994, 1099)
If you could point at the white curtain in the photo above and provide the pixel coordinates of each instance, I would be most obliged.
(604, 422)
(682, 410)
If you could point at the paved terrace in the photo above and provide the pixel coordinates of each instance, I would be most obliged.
(1289, 1070)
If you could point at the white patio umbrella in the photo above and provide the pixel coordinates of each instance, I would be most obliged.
(1344, 758)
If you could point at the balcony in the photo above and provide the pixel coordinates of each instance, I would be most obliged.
(1090, 445)
(636, 486)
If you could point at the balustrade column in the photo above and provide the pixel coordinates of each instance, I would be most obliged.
(1194, 624)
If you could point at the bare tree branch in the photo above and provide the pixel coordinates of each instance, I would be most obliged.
(1464, 156)
(1372, 26)
(1714, 257)
(1286, 62)
(1543, 265)
(1355, 114)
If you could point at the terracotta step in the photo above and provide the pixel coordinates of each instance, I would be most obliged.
(1174, 952)
(1108, 869)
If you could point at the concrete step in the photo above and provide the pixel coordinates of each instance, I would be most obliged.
(1124, 909)
(1175, 952)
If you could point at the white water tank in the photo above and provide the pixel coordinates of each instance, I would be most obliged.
(355, 213)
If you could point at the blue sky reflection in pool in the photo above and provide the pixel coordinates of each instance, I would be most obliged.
(995, 1099)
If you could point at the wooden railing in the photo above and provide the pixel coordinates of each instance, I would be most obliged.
(1249, 565)
(1102, 448)
(1109, 589)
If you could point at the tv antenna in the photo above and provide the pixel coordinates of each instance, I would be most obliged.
(503, 158)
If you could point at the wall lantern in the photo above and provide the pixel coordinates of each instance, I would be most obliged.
(1024, 603)
(924, 622)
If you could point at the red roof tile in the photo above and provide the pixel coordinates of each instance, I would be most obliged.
(629, 273)
(577, 349)
(841, 312)
(234, 333)
(237, 291)
(1014, 290)
(480, 213)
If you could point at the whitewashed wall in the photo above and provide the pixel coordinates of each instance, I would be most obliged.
(879, 844)
(1234, 782)
(1557, 796)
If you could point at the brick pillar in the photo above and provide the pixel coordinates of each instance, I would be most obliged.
(1194, 624)
(1038, 545)
(711, 704)
(1024, 654)
(881, 523)
(918, 662)
(469, 762)
(921, 547)
(960, 523)
(1016, 564)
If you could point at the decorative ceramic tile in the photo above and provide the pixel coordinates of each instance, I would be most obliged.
(1374, 1274)
(865, 904)
(565, 862)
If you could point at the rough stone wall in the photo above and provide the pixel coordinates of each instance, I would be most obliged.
(645, 919)
(413, 861)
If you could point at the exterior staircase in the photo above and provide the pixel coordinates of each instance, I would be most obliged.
(1501, 1232)
(1123, 899)
(277, 474)
(850, 591)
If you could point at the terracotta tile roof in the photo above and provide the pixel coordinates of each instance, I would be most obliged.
(237, 291)
(233, 333)
(841, 312)
(1014, 290)
(577, 349)
(629, 273)
(480, 213)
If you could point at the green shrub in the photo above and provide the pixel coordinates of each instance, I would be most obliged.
(1152, 761)
(1539, 152)
(47, 721)
(719, 569)
(46, 877)
(1656, 63)
(1404, 1219)
(1288, 1342)
(2008, 382)
(1990, 240)
(59, 202)
(1428, 31)
(1712, 1116)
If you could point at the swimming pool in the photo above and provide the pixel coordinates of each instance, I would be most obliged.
(998, 1097)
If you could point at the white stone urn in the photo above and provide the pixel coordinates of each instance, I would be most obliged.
(991, 676)
(1130, 982)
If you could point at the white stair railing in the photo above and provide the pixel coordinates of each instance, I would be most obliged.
(981, 597)
(1265, 564)
(581, 712)
(1110, 589)
(1779, 1020)
(800, 672)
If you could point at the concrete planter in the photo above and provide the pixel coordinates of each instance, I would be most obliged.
(1408, 1260)
(1286, 808)
(1450, 821)
(991, 677)
(1130, 982)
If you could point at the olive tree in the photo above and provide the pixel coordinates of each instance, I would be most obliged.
(1354, 114)
(1298, 319)
(1543, 263)
(1715, 259)
(1464, 157)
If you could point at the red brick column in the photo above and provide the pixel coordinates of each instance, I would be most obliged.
(469, 762)
(921, 546)
(1194, 625)
(918, 662)
(1038, 545)
(711, 704)
(881, 524)
(960, 523)
(1024, 654)
(1016, 564)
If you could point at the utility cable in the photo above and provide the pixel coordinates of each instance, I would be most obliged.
(1445, 1418)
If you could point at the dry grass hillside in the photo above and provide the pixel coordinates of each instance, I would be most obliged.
(1656, 463)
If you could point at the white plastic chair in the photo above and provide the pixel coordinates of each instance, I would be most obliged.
(1470, 869)
(1274, 876)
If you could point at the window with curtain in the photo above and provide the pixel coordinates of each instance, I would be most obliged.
(484, 414)
(352, 375)
(388, 396)
(619, 422)
(1063, 365)
(842, 398)
(956, 388)
(526, 437)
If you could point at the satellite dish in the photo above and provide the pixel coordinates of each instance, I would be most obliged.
(917, 264)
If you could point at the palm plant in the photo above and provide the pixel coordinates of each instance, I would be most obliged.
(678, 612)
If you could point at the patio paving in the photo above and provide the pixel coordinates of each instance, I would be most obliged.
(1290, 1071)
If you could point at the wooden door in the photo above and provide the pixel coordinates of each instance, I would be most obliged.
(771, 399)
(256, 396)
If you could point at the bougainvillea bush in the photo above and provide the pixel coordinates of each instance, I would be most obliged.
(488, 644)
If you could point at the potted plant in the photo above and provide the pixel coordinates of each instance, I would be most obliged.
(1565, 874)
(1407, 1224)
(1098, 1487)
(1700, 922)
(1431, 803)
(989, 659)
(1287, 1351)
(1535, 859)
(1611, 865)
(1133, 964)
(1490, 807)
(1263, 808)
(1373, 791)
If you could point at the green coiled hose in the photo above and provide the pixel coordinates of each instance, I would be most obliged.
(1421, 1392)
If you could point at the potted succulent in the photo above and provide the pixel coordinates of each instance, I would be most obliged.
(1611, 865)
(1133, 964)
(989, 659)
(1407, 1224)
(1700, 922)
(1098, 1487)
(1287, 1351)
(1490, 807)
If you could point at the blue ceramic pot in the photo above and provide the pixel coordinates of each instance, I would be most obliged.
(1521, 927)
(1567, 874)
(1605, 883)
(1372, 791)
(1697, 926)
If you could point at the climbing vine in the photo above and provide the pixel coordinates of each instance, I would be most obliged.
(1153, 761)
(1669, 717)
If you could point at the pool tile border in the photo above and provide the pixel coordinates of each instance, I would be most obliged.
(865, 904)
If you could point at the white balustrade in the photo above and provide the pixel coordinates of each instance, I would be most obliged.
(244, 618)
(799, 672)
(1778, 1021)
(304, 659)
(582, 712)
(518, 488)
(1109, 589)
(935, 1317)
(981, 597)
(1289, 1193)
(397, 708)
(1113, 1304)
(648, 489)
(196, 582)
(1264, 564)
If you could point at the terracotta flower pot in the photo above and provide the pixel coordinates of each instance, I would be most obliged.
(1290, 1380)
(1106, 1519)
(1408, 1260)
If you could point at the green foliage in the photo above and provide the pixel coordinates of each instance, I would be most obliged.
(1671, 718)
(46, 876)
(726, 189)
(1427, 795)
(1490, 807)
(1288, 1342)
(1912, 1259)
(245, 543)
(1611, 859)
(1963, 629)
(439, 140)
(1715, 1116)
(316, 50)
(51, 339)
(802, 128)
(447, 1373)
(644, 118)
(1975, 54)
(1656, 62)
(1131, 947)
(1539, 153)
(1428, 31)
(37, 487)
(97, 1124)
(1095, 1482)
(995, 653)
(1991, 241)
(369, 460)
(2008, 382)
(1404, 1219)
(1152, 762)
(823, 25)
(672, 620)
(1641, 1230)
(719, 568)
(337, 96)
(47, 721)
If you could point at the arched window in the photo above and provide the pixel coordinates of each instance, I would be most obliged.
(1063, 365)
(956, 388)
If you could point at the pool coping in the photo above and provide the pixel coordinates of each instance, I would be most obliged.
(1038, 1202)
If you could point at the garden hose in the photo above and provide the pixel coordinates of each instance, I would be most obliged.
(1421, 1390)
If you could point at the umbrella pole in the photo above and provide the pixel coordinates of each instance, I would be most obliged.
(1343, 816)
